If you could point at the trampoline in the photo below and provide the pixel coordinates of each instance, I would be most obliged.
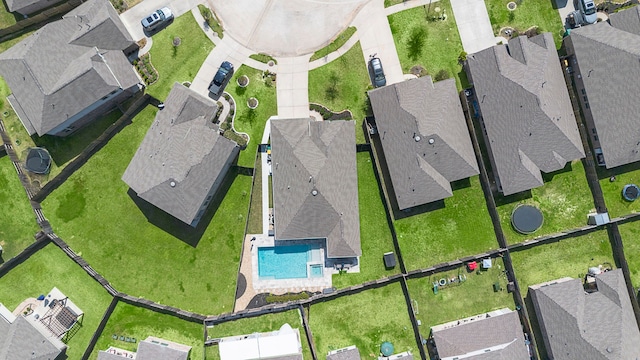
(630, 192)
(526, 219)
(38, 161)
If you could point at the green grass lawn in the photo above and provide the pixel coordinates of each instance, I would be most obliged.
(471, 297)
(630, 234)
(461, 228)
(433, 44)
(18, 223)
(570, 257)
(136, 322)
(340, 40)
(565, 200)
(528, 13)
(251, 121)
(264, 323)
(612, 191)
(49, 268)
(342, 85)
(366, 319)
(179, 63)
(6, 18)
(375, 235)
(93, 212)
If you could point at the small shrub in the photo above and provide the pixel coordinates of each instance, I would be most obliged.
(442, 75)
(286, 297)
(462, 57)
(177, 41)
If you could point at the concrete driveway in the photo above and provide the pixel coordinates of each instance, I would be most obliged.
(473, 24)
(131, 18)
(564, 8)
(376, 38)
(293, 87)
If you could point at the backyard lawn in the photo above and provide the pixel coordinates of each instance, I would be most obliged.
(48, 268)
(630, 234)
(139, 323)
(461, 228)
(433, 44)
(612, 190)
(366, 319)
(178, 63)
(263, 323)
(6, 18)
(565, 200)
(528, 13)
(141, 250)
(472, 297)
(251, 121)
(570, 257)
(342, 85)
(375, 235)
(18, 223)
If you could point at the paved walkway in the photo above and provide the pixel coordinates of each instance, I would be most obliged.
(265, 180)
(473, 24)
(293, 87)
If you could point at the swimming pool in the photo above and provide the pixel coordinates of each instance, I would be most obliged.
(287, 262)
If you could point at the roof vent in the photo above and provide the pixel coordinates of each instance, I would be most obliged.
(314, 192)
(431, 141)
(609, 350)
(172, 184)
(417, 138)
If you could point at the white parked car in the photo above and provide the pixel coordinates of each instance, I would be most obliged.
(157, 18)
(588, 9)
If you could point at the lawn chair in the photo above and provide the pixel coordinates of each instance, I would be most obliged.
(127, 339)
(121, 338)
(114, 336)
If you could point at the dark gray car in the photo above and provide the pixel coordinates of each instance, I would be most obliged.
(223, 75)
(377, 73)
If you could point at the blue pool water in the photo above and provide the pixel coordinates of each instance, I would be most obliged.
(283, 262)
(316, 270)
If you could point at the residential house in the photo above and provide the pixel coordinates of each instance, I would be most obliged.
(71, 71)
(151, 348)
(24, 339)
(525, 112)
(315, 184)
(282, 344)
(28, 7)
(496, 335)
(604, 61)
(348, 353)
(183, 159)
(580, 324)
(424, 137)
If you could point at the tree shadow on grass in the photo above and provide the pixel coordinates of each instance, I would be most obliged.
(416, 42)
(176, 228)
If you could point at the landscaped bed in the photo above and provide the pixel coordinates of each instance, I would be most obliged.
(340, 40)
(139, 323)
(17, 224)
(342, 85)
(612, 190)
(252, 121)
(630, 234)
(527, 14)
(434, 45)
(165, 260)
(473, 296)
(190, 54)
(366, 320)
(263, 323)
(461, 228)
(565, 200)
(375, 235)
(48, 268)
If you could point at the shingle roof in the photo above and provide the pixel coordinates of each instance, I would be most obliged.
(501, 332)
(316, 157)
(421, 171)
(627, 20)
(182, 146)
(22, 340)
(608, 61)
(150, 351)
(345, 354)
(526, 110)
(16, 5)
(580, 325)
(69, 64)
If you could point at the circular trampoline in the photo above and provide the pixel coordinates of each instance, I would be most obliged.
(630, 192)
(387, 348)
(526, 219)
(38, 161)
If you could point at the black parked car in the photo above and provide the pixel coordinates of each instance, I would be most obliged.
(221, 78)
(377, 72)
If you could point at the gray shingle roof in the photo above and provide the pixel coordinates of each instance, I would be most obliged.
(150, 351)
(22, 340)
(15, 5)
(350, 354)
(526, 110)
(580, 325)
(69, 64)
(312, 155)
(502, 331)
(421, 171)
(182, 146)
(608, 61)
(627, 20)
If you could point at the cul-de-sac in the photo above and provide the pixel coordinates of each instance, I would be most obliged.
(319, 179)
